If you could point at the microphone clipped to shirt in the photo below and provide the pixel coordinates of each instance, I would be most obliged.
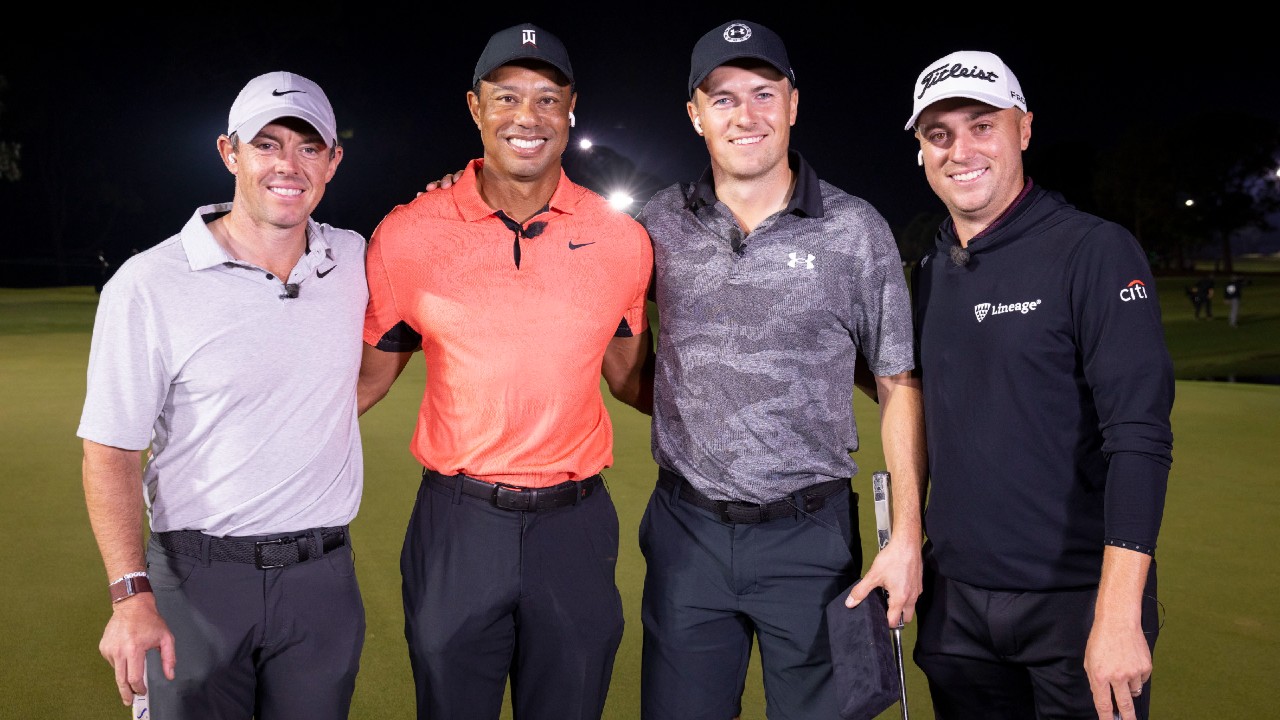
(290, 291)
(959, 256)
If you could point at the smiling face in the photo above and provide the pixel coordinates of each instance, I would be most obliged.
(745, 111)
(281, 173)
(972, 154)
(522, 111)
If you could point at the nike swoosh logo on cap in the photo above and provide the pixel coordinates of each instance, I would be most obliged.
(278, 93)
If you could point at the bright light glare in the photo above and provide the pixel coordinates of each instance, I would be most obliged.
(620, 200)
(1190, 203)
(584, 143)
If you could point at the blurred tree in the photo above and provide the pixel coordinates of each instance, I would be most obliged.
(10, 152)
(1194, 184)
(916, 239)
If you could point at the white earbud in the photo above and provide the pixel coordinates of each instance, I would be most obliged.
(232, 158)
(697, 125)
(573, 121)
(920, 158)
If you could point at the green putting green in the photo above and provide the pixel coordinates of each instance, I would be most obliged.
(1221, 636)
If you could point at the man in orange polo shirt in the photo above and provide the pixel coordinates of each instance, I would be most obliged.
(520, 288)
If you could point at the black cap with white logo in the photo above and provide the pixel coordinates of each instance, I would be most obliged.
(735, 40)
(522, 42)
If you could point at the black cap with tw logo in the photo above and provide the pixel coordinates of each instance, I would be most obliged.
(522, 42)
(735, 40)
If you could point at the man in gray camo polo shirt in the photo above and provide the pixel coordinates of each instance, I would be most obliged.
(769, 284)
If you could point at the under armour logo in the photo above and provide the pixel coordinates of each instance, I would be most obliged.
(529, 37)
(980, 310)
(797, 261)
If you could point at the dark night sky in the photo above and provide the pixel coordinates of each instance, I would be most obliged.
(132, 104)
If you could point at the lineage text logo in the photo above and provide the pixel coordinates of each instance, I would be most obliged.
(982, 310)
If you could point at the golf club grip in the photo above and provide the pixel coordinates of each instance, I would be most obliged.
(141, 709)
(880, 495)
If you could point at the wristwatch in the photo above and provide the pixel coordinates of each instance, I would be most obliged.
(129, 585)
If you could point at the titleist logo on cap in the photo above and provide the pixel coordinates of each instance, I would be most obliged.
(973, 74)
(956, 70)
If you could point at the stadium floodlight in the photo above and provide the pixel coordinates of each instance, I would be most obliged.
(621, 200)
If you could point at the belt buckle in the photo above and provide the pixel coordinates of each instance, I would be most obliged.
(747, 513)
(260, 544)
(813, 502)
(509, 497)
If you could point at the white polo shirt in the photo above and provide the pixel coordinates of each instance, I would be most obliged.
(245, 396)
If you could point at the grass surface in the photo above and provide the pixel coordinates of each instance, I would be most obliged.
(1216, 653)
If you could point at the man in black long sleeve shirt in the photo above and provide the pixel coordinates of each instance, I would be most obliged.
(1048, 389)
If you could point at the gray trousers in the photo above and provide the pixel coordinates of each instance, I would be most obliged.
(277, 644)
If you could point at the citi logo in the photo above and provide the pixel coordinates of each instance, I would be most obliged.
(1135, 290)
(801, 262)
(982, 310)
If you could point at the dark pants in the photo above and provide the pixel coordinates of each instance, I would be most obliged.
(492, 595)
(276, 644)
(1013, 655)
(713, 588)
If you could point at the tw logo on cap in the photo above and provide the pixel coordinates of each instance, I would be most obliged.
(529, 37)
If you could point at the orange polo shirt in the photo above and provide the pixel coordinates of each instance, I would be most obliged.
(513, 353)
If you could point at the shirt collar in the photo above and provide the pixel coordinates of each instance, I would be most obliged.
(203, 250)
(473, 207)
(806, 198)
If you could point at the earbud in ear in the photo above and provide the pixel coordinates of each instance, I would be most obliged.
(232, 158)
(920, 158)
(697, 125)
(573, 121)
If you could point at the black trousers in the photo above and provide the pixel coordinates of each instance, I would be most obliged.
(492, 595)
(712, 589)
(1013, 655)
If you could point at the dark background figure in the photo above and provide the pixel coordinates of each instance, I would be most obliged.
(1232, 291)
(1204, 294)
(1193, 294)
(104, 271)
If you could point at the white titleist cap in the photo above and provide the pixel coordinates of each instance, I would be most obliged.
(281, 94)
(973, 74)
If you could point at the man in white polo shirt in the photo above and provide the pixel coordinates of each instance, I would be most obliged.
(229, 355)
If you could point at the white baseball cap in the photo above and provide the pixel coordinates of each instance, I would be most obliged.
(973, 74)
(281, 94)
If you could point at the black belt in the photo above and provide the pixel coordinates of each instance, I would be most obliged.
(739, 512)
(514, 497)
(266, 554)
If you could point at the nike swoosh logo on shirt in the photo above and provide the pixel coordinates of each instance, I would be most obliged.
(572, 246)
(322, 273)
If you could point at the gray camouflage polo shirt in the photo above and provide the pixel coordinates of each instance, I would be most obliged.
(758, 335)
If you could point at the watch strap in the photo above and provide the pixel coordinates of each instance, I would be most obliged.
(128, 586)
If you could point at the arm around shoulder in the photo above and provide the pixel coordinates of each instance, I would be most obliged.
(628, 370)
(378, 371)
